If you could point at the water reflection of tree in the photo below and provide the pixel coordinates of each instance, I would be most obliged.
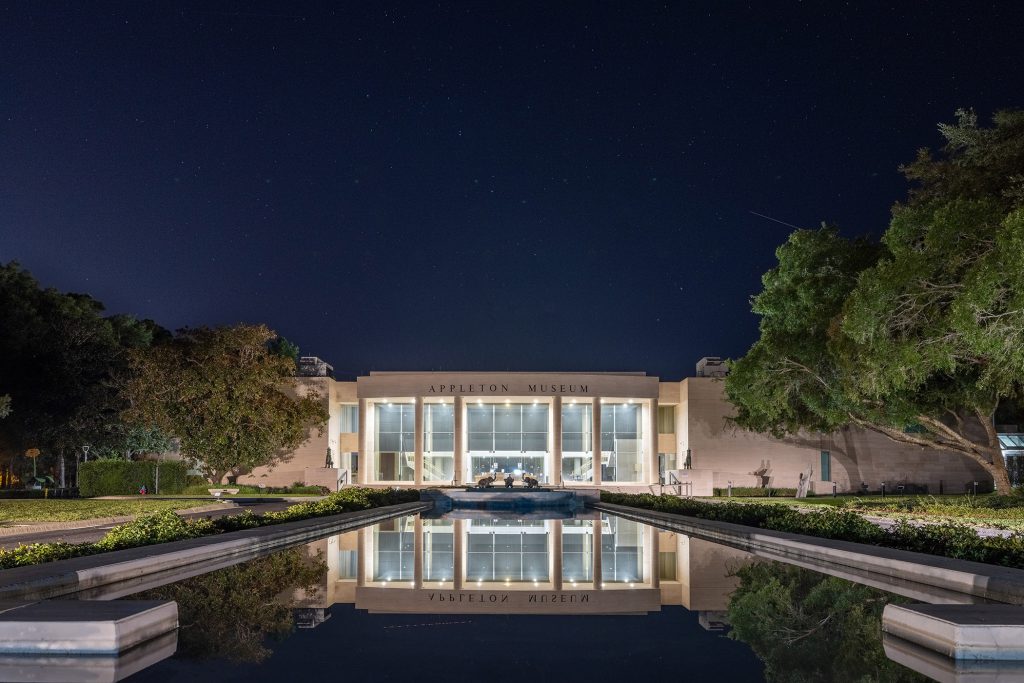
(809, 627)
(232, 612)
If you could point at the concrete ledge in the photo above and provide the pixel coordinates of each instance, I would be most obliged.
(83, 628)
(893, 570)
(98, 576)
(962, 632)
(945, 670)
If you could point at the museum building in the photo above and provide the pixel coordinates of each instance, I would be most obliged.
(614, 430)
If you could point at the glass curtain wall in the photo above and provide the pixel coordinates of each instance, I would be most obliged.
(577, 442)
(504, 438)
(622, 551)
(438, 549)
(395, 447)
(394, 543)
(578, 550)
(621, 442)
(438, 442)
(512, 551)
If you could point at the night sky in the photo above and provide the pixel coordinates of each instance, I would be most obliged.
(469, 186)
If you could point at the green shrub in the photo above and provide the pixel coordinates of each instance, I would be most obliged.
(126, 477)
(950, 539)
(203, 487)
(757, 492)
(165, 526)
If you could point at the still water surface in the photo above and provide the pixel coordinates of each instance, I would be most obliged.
(479, 596)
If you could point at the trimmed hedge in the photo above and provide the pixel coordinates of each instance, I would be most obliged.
(950, 539)
(126, 477)
(758, 492)
(161, 527)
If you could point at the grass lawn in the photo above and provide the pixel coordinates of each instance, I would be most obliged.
(67, 510)
(986, 509)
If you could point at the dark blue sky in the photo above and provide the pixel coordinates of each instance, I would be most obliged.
(550, 186)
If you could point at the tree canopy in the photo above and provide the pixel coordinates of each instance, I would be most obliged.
(808, 627)
(919, 337)
(228, 399)
(59, 358)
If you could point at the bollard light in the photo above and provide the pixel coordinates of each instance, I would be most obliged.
(883, 489)
(833, 489)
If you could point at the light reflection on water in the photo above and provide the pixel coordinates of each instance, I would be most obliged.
(592, 596)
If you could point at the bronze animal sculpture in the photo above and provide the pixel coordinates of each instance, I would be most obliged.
(486, 482)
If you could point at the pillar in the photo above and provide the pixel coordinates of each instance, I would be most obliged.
(365, 457)
(362, 557)
(555, 466)
(595, 428)
(417, 441)
(652, 460)
(460, 441)
(458, 560)
(655, 563)
(595, 551)
(556, 554)
(417, 549)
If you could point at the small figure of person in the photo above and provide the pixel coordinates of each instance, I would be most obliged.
(509, 481)
(143, 490)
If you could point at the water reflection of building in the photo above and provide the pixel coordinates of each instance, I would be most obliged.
(596, 565)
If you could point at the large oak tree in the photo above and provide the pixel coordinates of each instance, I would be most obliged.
(225, 395)
(919, 338)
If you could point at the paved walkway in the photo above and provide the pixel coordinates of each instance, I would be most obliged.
(75, 532)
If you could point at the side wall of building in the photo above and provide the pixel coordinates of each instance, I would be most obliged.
(307, 463)
(856, 456)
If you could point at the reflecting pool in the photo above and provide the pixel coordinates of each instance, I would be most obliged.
(480, 596)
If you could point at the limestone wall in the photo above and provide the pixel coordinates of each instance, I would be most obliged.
(856, 455)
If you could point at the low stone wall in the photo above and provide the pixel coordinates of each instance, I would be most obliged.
(122, 572)
(929, 578)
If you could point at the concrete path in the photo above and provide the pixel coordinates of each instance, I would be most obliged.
(89, 530)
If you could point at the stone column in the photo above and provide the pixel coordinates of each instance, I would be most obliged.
(365, 457)
(556, 554)
(596, 552)
(417, 441)
(652, 460)
(362, 557)
(458, 560)
(595, 427)
(417, 549)
(555, 464)
(460, 441)
(655, 563)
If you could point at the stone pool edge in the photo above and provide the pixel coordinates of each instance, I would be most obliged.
(66, 577)
(986, 581)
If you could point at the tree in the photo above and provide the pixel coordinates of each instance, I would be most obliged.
(59, 357)
(230, 613)
(5, 406)
(808, 627)
(919, 338)
(224, 396)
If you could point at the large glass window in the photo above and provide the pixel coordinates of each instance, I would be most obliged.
(621, 442)
(577, 442)
(507, 550)
(395, 445)
(507, 437)
(438, 442)
(393, 549)
(349, 419)
(666, 419)
(578, 550)
(438, 549)
(622, 547)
